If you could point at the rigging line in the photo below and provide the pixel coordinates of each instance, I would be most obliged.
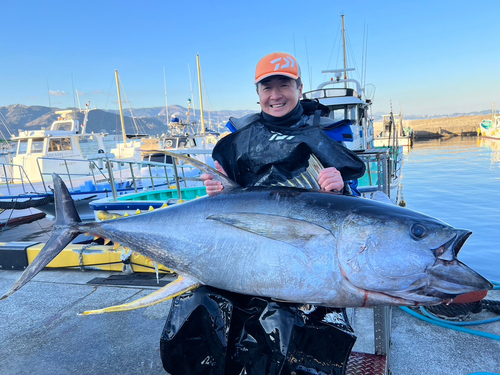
(363, 55)
(350, 52)
(73, 85)
(9, 146)
(44, 230)
(208, 98)
(139, 128)
(48, 93)
(331, 53)
(6, 123)
(366, 57)
(192, 95)
(107, 100)
(308, 68)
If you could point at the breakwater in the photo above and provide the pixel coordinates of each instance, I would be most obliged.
(441, 127)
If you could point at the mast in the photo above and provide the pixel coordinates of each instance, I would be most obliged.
(345, 55)
(201, 100)
(121, 109)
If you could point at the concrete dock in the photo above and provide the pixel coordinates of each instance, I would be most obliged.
(42, 333)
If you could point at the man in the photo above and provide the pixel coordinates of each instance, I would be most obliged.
(210, 331)
(274, 146)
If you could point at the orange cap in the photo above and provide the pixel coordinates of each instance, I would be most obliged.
(277, 63)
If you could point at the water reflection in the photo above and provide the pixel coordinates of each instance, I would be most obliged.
(494, 146)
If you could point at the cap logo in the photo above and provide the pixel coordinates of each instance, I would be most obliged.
(289, 62)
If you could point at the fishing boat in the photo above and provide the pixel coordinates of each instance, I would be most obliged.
(350, 108)
(81, 159)
(183, 134)
(490, 128)
(393, 133)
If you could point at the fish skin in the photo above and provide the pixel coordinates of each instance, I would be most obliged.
(296, 245)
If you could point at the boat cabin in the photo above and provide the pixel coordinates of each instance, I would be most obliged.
(62, 141)
(353, 126)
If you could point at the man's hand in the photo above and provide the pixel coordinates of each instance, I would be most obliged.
(330, 179)
(213, 187)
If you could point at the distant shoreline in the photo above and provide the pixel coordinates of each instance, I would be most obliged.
(441, 127)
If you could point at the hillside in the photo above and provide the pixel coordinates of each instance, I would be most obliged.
(147, 120)
(153, 120)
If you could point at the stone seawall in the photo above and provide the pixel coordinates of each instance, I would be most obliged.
(441, 127)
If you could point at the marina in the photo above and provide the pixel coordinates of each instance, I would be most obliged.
(59, 335)
(289, 228)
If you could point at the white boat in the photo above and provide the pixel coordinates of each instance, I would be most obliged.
(490, 128)
(184, 135)
(393, 133)
(349, 107)
(81, 159)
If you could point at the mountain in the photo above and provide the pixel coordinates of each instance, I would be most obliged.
(144, 121)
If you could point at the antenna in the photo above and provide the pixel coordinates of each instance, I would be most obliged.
(345, 57)
(166, 102)
(78, 96)
(192, 95)
(73, 85)
(365, 56)
(308, 68)
(48, 93)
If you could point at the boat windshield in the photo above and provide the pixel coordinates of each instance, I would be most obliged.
(59, 144)
(22, 147)
(37, 145)
(62, 125)
(344, 112)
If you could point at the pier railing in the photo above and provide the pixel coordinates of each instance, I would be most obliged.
(87, 176)
(8, 173)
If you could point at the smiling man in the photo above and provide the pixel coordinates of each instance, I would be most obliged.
(275, 146)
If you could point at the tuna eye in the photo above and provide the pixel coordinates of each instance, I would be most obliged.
(418, 231)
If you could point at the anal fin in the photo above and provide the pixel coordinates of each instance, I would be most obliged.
(181, 285)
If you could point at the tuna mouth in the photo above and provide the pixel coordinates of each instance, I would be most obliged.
(450, 249)
(449, 276)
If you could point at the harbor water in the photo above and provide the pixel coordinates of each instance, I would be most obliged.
(458, 181)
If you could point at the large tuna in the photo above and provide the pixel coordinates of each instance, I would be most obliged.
(290, 244)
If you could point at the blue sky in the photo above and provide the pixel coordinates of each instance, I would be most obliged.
(427, 57)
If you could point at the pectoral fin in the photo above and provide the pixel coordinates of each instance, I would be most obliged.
(180, 285)
(298, 233)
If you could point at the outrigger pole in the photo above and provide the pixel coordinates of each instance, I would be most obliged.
(201, 100)
(121, 109)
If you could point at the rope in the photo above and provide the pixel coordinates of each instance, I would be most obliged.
(450, 326)
(15, 205)
(461, 311)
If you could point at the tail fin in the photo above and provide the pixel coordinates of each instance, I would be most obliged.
(64, 232)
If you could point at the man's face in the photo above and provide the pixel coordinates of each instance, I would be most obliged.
(278, 95)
